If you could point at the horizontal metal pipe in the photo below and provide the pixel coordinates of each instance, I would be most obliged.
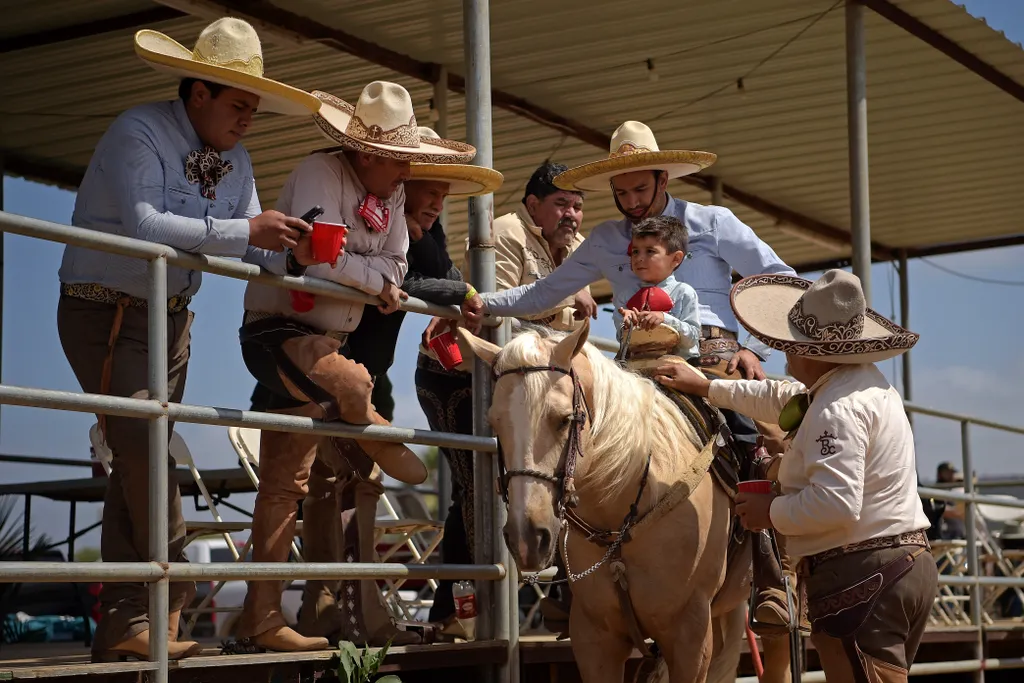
(925, 669)
(970, 497)
(981, 580)
(64, 572)
(921, 410)
(127, 246)
(230, 417)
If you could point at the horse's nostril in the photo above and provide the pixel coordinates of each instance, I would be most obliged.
(544, 542)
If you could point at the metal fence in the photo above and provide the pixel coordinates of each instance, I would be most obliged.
(499, 613)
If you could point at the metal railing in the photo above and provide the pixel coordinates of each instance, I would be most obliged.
(157, 572)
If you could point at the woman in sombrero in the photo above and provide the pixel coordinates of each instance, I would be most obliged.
(848, 499)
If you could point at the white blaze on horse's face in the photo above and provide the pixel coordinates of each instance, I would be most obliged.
(531, 416)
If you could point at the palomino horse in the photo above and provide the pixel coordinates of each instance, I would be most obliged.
(575, 429)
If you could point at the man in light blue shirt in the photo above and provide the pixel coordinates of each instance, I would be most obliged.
(171, 173)
(637, 171)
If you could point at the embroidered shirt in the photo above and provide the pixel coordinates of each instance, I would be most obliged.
(850, 472)
(719, 244)
(523, 256)
(684, 317)
(135, 186)
(370, 258)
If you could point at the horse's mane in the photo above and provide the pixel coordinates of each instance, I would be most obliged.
(631, 416)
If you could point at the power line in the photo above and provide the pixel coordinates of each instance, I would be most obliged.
(975, 278)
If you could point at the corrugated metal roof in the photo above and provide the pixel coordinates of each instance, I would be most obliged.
(941, 137)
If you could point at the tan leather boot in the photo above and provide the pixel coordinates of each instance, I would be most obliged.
(366, 621)
(137, 647)
(284, 639)
(771, 607)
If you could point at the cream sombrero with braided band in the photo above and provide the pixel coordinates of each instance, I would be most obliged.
(464, 180)
(827, 320)
(633, 148)
(383, 123)
(227, 52)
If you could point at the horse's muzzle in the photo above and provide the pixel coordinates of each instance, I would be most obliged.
(531, 545)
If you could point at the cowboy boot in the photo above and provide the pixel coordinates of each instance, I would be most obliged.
(137, 646)
(365, 618)
(351, 386)
(771, 607)
(321, 542)
(285, 463)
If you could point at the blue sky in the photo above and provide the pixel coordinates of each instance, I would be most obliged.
(965, 362)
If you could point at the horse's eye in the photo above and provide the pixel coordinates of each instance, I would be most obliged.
(565, 422)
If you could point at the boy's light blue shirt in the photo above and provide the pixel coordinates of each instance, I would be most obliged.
(684, 317)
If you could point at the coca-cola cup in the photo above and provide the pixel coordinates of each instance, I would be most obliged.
(302, 302)
(756, 486)
(446, 349)
(328, 238)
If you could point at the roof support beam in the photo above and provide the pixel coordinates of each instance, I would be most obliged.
(293, 27)
(46, 171)
(951, 49)
(92, 28)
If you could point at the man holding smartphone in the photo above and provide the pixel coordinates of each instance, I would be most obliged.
(297, 351)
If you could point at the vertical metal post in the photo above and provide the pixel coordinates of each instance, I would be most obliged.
(72, 527)
(495, 615)
(716, 191)
(26, 543)
(440, 99)
(857, 123)
(158, 475)
(905, 322)
(973, 568)
(3, 270)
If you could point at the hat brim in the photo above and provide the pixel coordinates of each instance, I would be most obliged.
(762, 303)
(464, 180)
(169, 56)
(595, 176)
(333, 119)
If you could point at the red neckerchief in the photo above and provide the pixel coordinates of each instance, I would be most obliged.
(650, 298)
(374, 213)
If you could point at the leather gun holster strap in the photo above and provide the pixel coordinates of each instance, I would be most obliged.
(271, 334)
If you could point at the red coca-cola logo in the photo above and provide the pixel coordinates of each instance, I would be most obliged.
(466, 606)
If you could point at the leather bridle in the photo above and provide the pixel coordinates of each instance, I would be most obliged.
(564, 477)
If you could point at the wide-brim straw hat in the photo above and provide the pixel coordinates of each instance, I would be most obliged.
(633, 148)
(227, 52)
(464, 180)
(827, 320)
(383, 123)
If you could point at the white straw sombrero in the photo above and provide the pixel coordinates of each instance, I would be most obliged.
(464, 180)
(633, 148)
(227, 52)
(826, 320)
(383, 123)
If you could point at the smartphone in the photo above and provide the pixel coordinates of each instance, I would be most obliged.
(312, 214)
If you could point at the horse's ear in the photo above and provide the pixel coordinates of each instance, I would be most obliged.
(570, 347)
(481, 348)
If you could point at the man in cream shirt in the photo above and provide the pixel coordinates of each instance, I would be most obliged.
(297, 353)
(848, 502)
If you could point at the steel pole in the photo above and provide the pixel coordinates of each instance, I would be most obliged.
(494, 617)
(905, 322)
(857, 123)
(440, 99)
(158, 441)
(973, 567)
(3, 238)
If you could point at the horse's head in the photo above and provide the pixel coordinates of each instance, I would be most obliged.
(535, 417)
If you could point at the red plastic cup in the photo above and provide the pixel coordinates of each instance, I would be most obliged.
(446, 349)
(756, 486)
(302, 302)
(328, 239)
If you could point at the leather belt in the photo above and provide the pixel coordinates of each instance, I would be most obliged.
(253, 316)
(714, 332)
(916, 538)
(90, 291)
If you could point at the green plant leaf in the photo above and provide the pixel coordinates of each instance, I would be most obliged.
(389, 679)
(350, 662)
